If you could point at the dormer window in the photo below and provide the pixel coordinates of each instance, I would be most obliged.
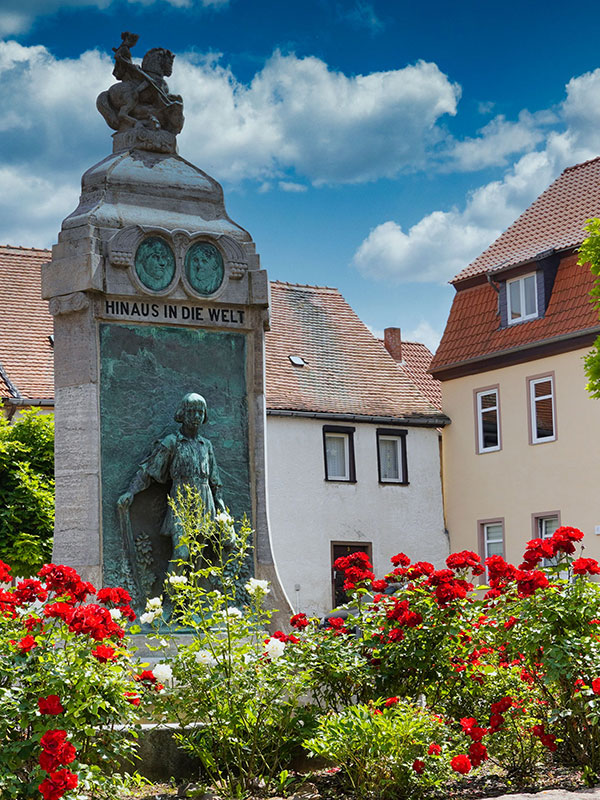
(522, 298)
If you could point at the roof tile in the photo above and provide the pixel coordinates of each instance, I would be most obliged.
(554, 221)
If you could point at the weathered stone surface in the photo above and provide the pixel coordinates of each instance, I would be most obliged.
(102, 277)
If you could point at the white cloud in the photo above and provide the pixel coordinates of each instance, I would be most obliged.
(444, 242)
(498, 139)
(425, 333)
(290, 186)
(299, 114)
(296, 118)
(17, 16)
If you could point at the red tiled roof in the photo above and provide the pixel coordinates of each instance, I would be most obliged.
(473, 331)
(347, 370)
(26, 354)
(554, 220)
(417, 359)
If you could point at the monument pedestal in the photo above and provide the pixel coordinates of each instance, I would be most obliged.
(155, 293)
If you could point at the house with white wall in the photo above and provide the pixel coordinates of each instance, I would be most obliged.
(353, 427)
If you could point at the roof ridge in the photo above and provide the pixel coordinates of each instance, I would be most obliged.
(288, 284)
(581, 164)
(21, 247)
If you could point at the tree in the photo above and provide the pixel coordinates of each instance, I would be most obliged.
(27, 491)
(589, 252)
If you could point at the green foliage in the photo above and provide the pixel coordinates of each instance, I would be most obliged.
(589, 253)
(27, 491)
(377, 749)
(236, 699)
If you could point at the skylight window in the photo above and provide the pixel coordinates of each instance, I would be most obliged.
(297, 361)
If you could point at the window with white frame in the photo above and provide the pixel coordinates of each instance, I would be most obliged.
(391, 455)
(541, 409)
(488, 420)
(338, 445)
(493, 539)
(545, 527)
(522, 298)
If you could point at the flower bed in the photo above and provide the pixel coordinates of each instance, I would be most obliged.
(427, 674)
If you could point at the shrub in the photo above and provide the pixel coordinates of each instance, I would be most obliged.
(26, 491)
(66, 688)
(394, 751)
(235, 694)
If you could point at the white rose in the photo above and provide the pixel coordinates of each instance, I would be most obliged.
(274, 648)
(175, 580)
(206, 658)
(154, 604)
(232, 612)
(162, 672)
(255, 585)
(224, 518)
(147, 618)
(115, 613)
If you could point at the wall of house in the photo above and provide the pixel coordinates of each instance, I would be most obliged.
(308, 513)
(523, 479)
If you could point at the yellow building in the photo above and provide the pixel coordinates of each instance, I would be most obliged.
(522, 454)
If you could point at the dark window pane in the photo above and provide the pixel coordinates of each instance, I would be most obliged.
(515, 300)
(544, 422)
(488, 400)
(530, 298)
(543, 388)
(489, 427)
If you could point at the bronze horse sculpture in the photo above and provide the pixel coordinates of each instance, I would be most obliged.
(141, 98)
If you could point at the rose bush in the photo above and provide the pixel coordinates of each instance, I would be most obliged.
(236, 691)
(66, 686)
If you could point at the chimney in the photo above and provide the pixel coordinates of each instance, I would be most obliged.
(392, 340)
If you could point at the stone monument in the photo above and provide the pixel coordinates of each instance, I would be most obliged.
(160, 307)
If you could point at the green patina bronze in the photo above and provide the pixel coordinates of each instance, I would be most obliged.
(204, 268)
(155, 263)
(147, 453)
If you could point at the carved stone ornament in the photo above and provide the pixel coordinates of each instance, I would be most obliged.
(158, 259)
(140, 101)
(68, 303)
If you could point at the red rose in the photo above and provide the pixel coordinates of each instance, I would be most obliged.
(104, 653)
(299, 621)
(57, 751)
(27, 643)
(5, 576)
(461, 764)
(133, 698)
(57, 784)
(581, 566)
(391, 701)
(400, 560)
(29, 590)
(50, 705)
(434, 749)
(478, 753)
(379, 586)
(465, 560)
(502, 705)
(147, 676)
(596, 685)
(418, 569)
(114, 596)
(418, 766)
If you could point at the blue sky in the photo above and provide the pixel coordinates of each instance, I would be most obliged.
(373, 145)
